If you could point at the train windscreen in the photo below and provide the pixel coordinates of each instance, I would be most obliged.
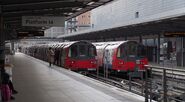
(128, 50)
(82, 51)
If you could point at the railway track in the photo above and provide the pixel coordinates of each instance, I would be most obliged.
(174, 79)
(175, 84)
(119, 82)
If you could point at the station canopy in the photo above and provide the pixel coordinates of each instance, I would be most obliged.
(13, 10)
(167, 24)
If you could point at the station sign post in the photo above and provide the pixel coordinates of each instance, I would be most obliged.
(42, 21)
(174, 34)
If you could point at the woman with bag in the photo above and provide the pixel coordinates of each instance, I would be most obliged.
(5, 90)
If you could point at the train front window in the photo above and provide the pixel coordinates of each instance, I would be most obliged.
(82, 51)
(73, 51)
(132, 49)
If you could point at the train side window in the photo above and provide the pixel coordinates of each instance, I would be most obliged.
(63, 53)
(69, 54)
(119, 53)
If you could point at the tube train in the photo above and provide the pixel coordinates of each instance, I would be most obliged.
(117, 56)
(77, 55)
(121, 56)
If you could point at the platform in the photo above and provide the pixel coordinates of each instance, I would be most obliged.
(37, 82)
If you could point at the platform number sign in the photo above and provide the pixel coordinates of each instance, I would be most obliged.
(174, 34)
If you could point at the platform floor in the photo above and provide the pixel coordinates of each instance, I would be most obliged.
(36, 82)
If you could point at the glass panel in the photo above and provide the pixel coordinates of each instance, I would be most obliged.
(121, 52)
(91, 51)
(69, 54)
(132, 49)
(73, 51)
(119, 55)
(82, 51)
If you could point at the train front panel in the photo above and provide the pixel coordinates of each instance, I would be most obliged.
(80, 56)
(129, 57)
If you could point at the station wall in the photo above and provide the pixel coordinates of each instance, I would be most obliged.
(120, 11)
(54, 32)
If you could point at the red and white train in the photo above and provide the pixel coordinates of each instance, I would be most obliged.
(76, 55)
(121, 56)
(117, 56)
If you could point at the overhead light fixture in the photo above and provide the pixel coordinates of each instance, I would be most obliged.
(174, 18)
(78, 9)
(70, 13)
(90, 3)
(65, 13)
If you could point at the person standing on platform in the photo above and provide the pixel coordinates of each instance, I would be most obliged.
(5, 90)
(8, 69)
(50, 56)
(56, 57)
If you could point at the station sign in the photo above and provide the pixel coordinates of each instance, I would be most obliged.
(174, 34)
(22, 34)
(40, 21)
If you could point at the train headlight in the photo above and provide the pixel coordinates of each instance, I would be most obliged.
(137, 61)
(93, 62)
(72, 62)
(120, 62)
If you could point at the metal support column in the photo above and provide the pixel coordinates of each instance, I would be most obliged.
(164, 86)
(125, 37)
(154, 51)
(2, 47)
(130, 83)
(12, 47)
(184, 51)
(158, 49)
(146, 86)
(2, 42)
(140, 39)
(182, 59)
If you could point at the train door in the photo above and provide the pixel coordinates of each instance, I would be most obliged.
(60, 54)
(63, 55)
(108, 57)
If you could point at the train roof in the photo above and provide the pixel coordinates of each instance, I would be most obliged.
(68, 44)
(110, 45)
(57, 45)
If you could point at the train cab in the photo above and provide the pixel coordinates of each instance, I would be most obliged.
(79, 55)
(76, 55)
(120, 56)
